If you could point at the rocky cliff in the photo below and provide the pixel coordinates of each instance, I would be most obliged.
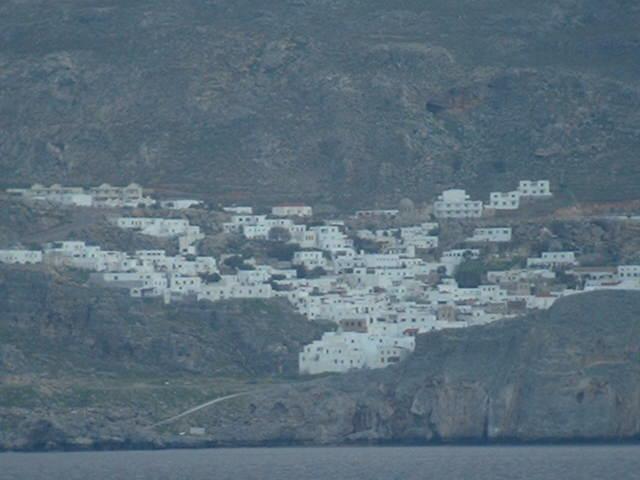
(49, 319)
(86, 367)
(332, 100)
(572, 373)
(568, 374)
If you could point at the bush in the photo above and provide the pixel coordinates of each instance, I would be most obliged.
(470, 273)
(211, 277)
(366, 245)
(279, 234)
(236, 262)
(282, 251)
(301, 271)
(317, 272)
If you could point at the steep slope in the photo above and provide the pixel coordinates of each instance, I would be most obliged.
(569, 374)
(54, 324)
(572, 373)
(103, 365)
(331, 100)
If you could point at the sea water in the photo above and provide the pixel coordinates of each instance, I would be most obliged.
(402, 463)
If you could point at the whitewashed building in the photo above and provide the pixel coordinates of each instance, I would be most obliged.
(310, 259)
(344, 351)
(552, 260)
(72, 196)
(377, 213)
(459, 254)
(628, 271)
(158, 227)
(20, 256)
(456, 204)
(131, 196)
(292, 210)
(491, 234)
(504, 200)
(534, 188)
(238, 210)
(519, 275)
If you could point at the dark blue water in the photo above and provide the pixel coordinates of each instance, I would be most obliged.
(370, 463)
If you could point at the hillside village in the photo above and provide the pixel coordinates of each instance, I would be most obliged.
(380, 280)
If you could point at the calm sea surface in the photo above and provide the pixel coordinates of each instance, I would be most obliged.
(431, 463)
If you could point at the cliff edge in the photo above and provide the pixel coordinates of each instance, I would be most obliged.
(568, 374)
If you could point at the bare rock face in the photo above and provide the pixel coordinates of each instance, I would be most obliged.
(572, 373)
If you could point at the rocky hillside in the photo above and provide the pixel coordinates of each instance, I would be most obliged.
(332, 100)
(51, 323)
(571, 373)
(74, 357)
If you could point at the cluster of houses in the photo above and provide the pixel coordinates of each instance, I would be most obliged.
(379, 299)
(457, 203)
(188, 235)
(105, 195)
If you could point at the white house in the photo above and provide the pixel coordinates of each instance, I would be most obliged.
(534, 188)
(628, 271)
(519, 275)
(228, 289)
(239, 210)
(459, 254)
(344, 351)
(310, 259)
(75, 196)
(154, 280)
(420, 236)
(20, 256)
(456, 204)
(504, 200)
(303, 237)
(552, 259)
(158, 227)
(131, 196)
(185, 285)
(378, 213)
(491, 234)
(238, 222)
(292, 210)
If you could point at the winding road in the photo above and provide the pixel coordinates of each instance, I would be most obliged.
(199, 407)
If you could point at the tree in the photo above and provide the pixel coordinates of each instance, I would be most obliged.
(566, 279)
(282, 251)
(279, 234)
(469, 273)
(317, 272)
(236, 262)
(211, 277)
(366, 245)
